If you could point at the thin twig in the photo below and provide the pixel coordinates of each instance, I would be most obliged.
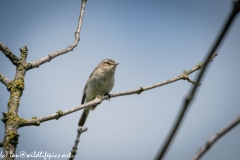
(188, 99)
(58, 114)
(8, 53)
(216, 137)
(4, 79)
(74, 149)
(49, 57)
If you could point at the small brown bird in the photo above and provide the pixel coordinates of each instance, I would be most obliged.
(99, 83)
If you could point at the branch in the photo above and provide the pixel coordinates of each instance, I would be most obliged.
(183, 76)
(49, 57)
(215, 137)
(36, 121)
(23, 55)
(4, 79)
(189, 97)
(8, 53)
(74, 149)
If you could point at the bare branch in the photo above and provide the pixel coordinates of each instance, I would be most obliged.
(4, 79)
(23, 55)
(8, 53)
(58, 114)
(74, 149)
(216, 137)
(49, 57)
(188, 99)
(179, 77)
(36, 121)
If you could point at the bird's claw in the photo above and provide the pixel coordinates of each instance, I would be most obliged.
(109, 96)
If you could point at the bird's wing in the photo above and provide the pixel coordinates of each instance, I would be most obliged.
(84, 94)
(85, 88)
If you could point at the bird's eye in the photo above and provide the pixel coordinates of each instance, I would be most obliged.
(108, 63)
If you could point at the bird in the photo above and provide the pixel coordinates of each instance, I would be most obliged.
(99, 83)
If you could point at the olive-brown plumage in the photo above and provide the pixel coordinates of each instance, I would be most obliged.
(99, 83)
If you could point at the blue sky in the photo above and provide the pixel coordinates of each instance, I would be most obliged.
(153, 41)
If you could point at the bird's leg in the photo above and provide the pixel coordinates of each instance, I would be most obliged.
(109, 96)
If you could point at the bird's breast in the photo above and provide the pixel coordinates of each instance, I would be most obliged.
(100, 84)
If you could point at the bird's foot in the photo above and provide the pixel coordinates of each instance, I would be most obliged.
(109, 96)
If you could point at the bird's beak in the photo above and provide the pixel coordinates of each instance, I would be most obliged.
(116, 64)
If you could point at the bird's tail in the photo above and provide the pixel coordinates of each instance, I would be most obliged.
(84, 116)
